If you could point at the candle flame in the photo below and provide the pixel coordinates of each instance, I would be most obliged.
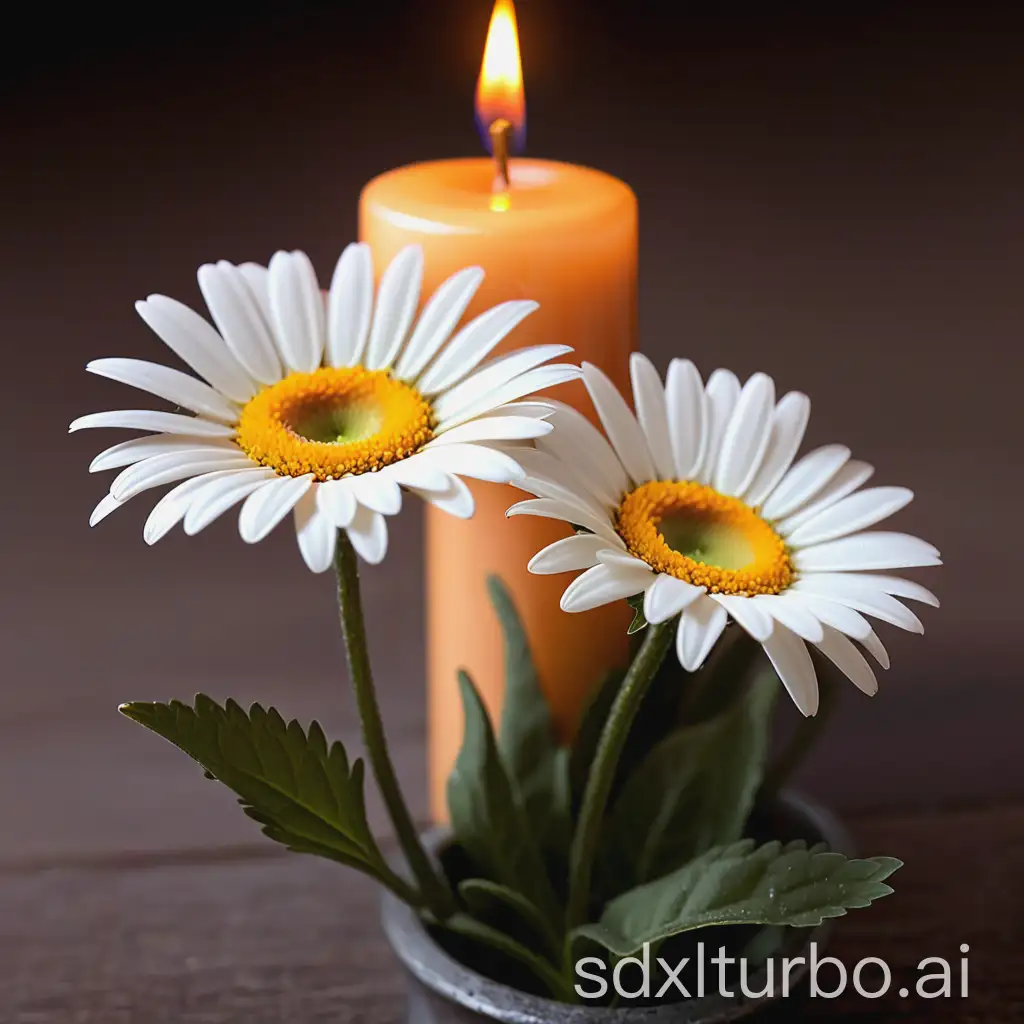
(499, 90)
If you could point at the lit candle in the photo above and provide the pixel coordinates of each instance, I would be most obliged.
(565, 236)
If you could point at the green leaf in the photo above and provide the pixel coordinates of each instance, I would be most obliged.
(636, 602)
(526, 736)
(482, 896)
(740, 885)
(487, 821)
(693, 791)
(303, 792)
(560, 821)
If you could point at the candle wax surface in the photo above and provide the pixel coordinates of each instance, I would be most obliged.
(565, 236)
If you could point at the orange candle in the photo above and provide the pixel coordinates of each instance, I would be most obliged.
(565, 236)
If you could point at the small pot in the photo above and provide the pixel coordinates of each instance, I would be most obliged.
(441, 990)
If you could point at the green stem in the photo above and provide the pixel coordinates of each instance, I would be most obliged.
(435, 891)
(397, 885)
(627, 703)
(484, 934)
(803, 740)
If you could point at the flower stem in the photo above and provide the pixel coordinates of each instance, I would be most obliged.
(435, 891)
(602, 773)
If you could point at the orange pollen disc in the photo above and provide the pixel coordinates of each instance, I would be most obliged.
(692, 532)
(334, 422)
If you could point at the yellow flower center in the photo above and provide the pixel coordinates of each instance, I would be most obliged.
(692, 532)
(332, 422)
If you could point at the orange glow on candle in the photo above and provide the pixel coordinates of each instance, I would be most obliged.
(499, 89)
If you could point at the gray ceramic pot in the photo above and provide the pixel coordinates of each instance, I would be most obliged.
(443, 991)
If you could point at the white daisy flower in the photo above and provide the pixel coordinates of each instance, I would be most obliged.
(696, 503)
(324, 407)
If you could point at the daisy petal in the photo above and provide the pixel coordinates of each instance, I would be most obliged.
(538, 379)
(546, 488)
(874, 647)
(150, 419)
(107, 504)
(699, 629)
(297, 306)
(567, 555)
(368, 533)
(666, 597)
(792, 662)
(171, 385)
(845, 482)
(171, 508)
(437, 321)
(337, 501)
(721, 395)
(397, 298)
(547, 477)
(746, 438)
(899, 587)
(618, 557)
(257, 278)
(538, 462)
(850, 515)
(649, 402)
(789, 421)
(316, 534)
(129, 452)
(832, 613)
(749, 615)
(477, 391)
(350, 306)
(218, 492)
(379, 492)
(534, 410)
(269, 504)
(805, 479)
(473, 460)
(619, 424)
(171, 467)
(418, 473)
(189, 336)
(472, 344)
(792, 614)
(849, 661)
(575, 441)
(864, 551)
(241, 320)
(603, 584)
(548, 508)
(687, 418)
(493, 428)
(859, 592)
(456, 499)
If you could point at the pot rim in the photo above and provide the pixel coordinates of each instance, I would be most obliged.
(435, 969)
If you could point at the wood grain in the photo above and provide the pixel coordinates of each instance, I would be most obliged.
(251, 935)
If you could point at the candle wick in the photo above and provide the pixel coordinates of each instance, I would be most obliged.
(500, 131)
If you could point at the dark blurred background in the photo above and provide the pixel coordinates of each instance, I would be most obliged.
(837, 198)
